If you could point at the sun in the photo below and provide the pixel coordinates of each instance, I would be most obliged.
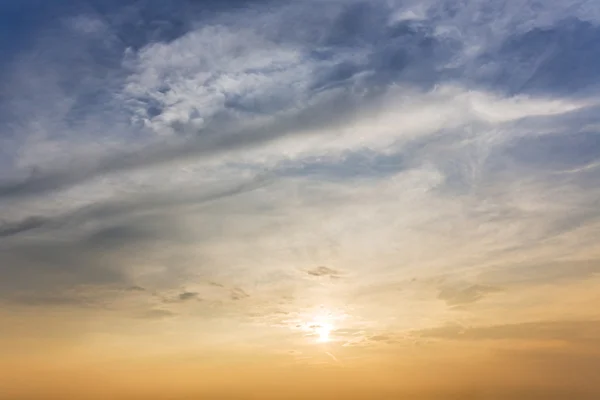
(321, 327)
(323, 331)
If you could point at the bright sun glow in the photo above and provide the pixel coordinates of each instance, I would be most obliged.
(321, 327)
(323, 331)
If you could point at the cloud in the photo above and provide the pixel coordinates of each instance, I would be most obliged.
(546, 272)
(550, 59)
(155, 147)
(323, 271)
(182, 297)
(53, 264)
(185, 296)
(9, 229)
(136, 289)
(157, 314)
(569, 331)
(262, 83)
(456, 295)
(238, 294)
(124, 207)
(362, 340)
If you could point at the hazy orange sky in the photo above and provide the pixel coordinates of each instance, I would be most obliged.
(313, 199)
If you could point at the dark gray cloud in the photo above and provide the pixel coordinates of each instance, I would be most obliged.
(185, 296)
(10, 229)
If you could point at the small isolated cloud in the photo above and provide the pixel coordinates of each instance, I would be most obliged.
(461, 295)
(378, 339)
(157, 314)
(323, 271)
(181, 297)
(135, 288)
(384, 338)
(185, 296)
(238, 294)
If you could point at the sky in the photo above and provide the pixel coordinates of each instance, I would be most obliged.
(307, 199)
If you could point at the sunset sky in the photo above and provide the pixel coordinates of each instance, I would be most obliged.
(309, 199)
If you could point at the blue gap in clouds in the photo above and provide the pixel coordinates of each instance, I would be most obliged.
(562, 59)
(20, 22)
(555, 152)
(353, 165)
(405, 51)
